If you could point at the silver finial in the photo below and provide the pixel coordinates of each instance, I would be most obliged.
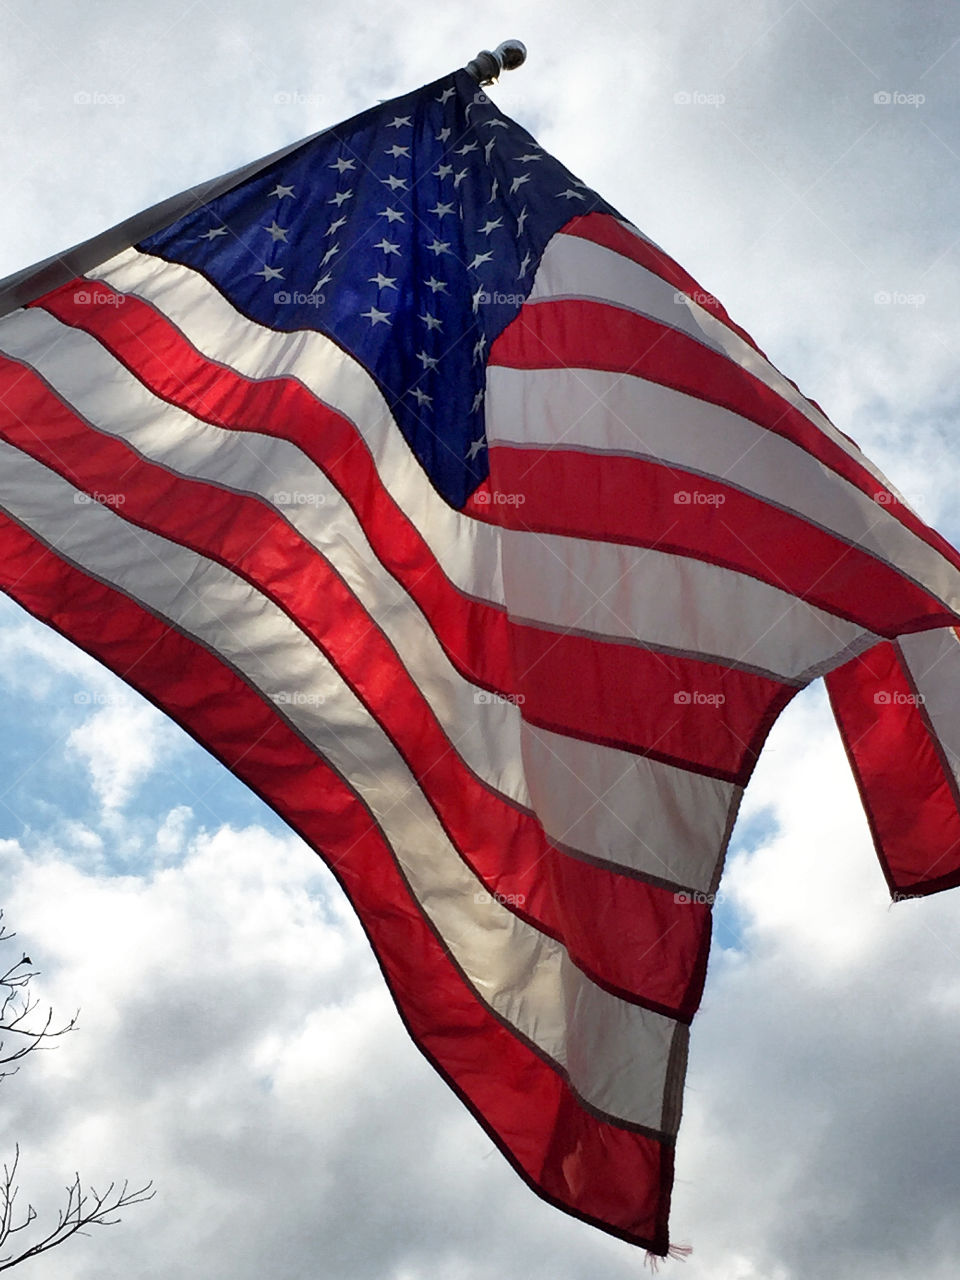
(486, 66)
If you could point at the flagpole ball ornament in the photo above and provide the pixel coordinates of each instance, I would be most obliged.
(486, 66)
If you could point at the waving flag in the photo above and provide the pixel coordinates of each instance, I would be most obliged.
(452, 516)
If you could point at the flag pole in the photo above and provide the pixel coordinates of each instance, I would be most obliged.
(486, 66)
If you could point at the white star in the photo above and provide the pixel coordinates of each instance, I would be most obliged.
(521, 220)
(421, 397)
(334, 227)
(496, 124)
(398, 122)
(478, 260)
(436, 286)
(490, 226)
(396, 151)
(331, 252)
(493, 191)
(395, 183)
(342, 165)
(324, 279)
(443, 135)
(383, 282)
(458, 178)
(439, 246)
(517, 183)
(524, 264)
(280, 191)
(444, 171)
(478, 297)
(528, 158)
(375, 316)
(340, 197)
(487, 149)
(441, 210)
(445, 96)
(571, 195)
(392, 215)
(431, 321)
(476, 445)
(387, 247)
(216, 231)
(269, 273)
(466, 149)
(479, 347)
(276, 233)
(428, 362)
(477, 401)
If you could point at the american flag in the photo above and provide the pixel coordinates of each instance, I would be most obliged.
(455, 518)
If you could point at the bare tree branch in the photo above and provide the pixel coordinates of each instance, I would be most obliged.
(84, 1207)
(16, 1008)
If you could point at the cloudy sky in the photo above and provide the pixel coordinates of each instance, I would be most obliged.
(236, 1043)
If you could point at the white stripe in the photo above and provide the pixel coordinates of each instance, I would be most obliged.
(933, 659)
(674, 602)
(600, 411)
(612, 591)
(616, 1053)
(572, 267)
(653, 818)
(107, 395)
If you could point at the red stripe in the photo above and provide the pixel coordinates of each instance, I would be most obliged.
(908, 791)
(637, 940)
(617, 498)
(678, 710)
(614, 1178)
(596, 335)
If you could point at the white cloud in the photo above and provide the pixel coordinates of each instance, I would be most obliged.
(120, 746)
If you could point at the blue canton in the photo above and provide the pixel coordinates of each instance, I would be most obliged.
(411, 236)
